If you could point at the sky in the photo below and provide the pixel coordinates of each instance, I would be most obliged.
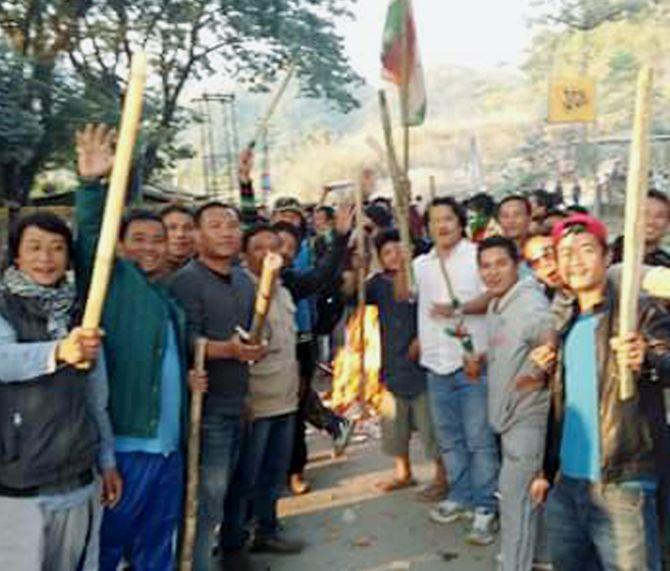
(480, 34)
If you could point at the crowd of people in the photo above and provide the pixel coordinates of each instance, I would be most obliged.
(503, 352)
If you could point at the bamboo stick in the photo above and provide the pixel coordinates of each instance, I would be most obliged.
(634, 226)
(193, 474)
(271, 266)
(360, 275)
(118, 183)
(401, 186)
(263, 125)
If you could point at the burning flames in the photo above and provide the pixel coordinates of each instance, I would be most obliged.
(357, 352)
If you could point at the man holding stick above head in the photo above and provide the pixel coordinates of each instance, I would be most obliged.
(146, 360)
(218, 297)
(603, 504)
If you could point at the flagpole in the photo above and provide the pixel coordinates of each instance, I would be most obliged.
(404, 89)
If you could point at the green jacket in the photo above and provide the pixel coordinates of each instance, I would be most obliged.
(135, 320)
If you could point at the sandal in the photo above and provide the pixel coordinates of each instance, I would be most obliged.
(433, 492)
(394, 485)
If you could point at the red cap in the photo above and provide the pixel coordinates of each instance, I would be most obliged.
(589, 223)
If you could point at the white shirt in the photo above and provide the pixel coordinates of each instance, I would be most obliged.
(441, 353)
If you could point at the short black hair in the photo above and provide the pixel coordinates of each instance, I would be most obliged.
(174, 207)
(577, 209)
(386, 236)
(502, 242)
(289, 229)
(482, 202)
(380, 215)
(543, 197)
(136, 215)
(658, 195)
(455, 206)
(510, 198)
(329, 211)
(250, 232)
(214, 204)
(556, 212)
(47, 221)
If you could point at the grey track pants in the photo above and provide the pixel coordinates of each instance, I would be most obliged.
(33, 538)
(522, 452)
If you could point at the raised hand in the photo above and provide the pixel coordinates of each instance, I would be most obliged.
(344, 218)
(95, 150)
(245, 165)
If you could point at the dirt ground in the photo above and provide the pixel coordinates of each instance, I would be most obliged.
(350, 526)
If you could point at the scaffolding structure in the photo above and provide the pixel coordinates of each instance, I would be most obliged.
(219, 145)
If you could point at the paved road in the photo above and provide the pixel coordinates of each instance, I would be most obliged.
(350, 526)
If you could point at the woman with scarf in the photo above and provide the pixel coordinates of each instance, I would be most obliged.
(55, 434)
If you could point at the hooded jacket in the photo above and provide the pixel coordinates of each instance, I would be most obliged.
(516, 322)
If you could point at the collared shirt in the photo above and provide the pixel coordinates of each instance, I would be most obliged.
(440, 352)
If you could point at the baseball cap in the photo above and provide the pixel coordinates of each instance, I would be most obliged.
(579, 222)
(287, 204)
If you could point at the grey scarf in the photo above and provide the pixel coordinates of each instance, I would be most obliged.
(56, 301)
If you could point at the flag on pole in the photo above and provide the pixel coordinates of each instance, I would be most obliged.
(401, 63)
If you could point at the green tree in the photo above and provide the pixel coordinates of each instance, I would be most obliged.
(247, 41)
(19, 129)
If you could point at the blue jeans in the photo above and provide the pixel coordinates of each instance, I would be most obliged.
(221, 441)
(142, 527)
(467, 443)
(613, 524)
(259, 479)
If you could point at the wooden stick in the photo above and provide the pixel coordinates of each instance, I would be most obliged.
(193, 468)
(401, 186)
(360, 308)
(431, 188)
(634, 226)
(263, 125)
(404, 88)
(271, 266)
(118, 184)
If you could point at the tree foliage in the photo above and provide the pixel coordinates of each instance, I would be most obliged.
(90, 44)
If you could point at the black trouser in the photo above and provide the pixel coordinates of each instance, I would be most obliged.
(310, 407)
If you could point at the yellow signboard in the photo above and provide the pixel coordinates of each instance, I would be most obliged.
(572, 100)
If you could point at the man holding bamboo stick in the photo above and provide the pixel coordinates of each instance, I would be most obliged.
(218, 298)
(146, 360)
(268, 440)
(452, 328)
(603, 504)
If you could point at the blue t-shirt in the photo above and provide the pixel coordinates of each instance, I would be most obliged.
(167, 434)
(580, 444)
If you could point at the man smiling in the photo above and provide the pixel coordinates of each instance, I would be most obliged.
(602, 505)
(518, 320)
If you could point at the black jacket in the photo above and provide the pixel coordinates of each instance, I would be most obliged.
(48, 439)
(625, 434)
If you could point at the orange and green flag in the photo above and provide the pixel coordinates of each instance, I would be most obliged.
(401, 63)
